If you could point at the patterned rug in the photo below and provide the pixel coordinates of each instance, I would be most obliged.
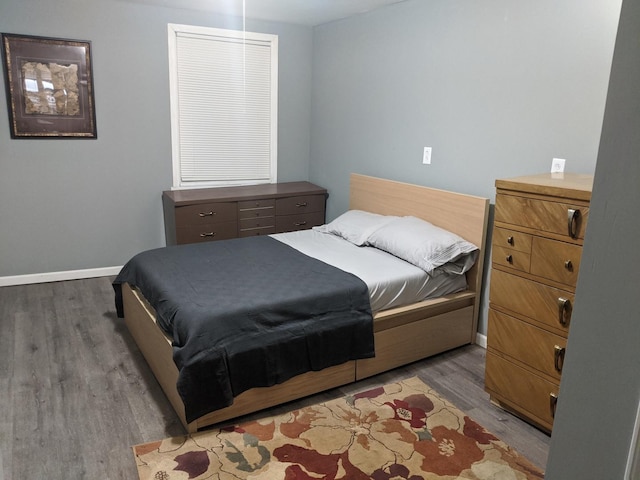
(402, 431)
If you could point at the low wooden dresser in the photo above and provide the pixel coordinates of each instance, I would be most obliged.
(207, 214)
(539, 227)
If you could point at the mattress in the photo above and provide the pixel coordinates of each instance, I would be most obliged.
(392, 282)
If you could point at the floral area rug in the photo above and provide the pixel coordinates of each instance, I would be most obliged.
(400, 431)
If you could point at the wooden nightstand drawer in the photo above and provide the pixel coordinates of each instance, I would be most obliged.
(528, 344)
(542, 215)
(518, 241)
(509, 257)
(541, 303)
(556, 260)
(290, 223)
(206, 213)
(207, 232)
(521, 390)
(300, 204)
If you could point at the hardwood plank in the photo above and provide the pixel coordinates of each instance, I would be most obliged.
(76, 392)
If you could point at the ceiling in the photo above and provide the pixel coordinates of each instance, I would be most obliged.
(302, 12)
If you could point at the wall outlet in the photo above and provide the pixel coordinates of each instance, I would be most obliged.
(557, 165)
(426, 156)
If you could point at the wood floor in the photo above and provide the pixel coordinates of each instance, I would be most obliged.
(76, 394)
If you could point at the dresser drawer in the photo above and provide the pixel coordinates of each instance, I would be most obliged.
(543, 304)
(529, 393)
(256, 208)
(290, 223)
(259, 222)
(207, 232)
(267, 212)
(300, 204)
(206, 213)
(509, 257)
(254, 232)
(533, 346)
(556, 260)
(543, 215)
(258, 203)
(511, 239)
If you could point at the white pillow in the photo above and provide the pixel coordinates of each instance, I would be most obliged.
(355, 225)
(421, 243)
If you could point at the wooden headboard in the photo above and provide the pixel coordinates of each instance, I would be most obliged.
(465, 215)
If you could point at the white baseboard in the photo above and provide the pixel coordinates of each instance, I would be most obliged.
(58, 276)
(481, 340)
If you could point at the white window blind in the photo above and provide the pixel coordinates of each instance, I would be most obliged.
(223, 106)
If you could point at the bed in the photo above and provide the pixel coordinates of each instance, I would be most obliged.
(398, 334)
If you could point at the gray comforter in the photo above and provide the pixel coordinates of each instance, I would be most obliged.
(247, 313)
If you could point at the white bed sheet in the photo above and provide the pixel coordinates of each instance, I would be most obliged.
(392, 282)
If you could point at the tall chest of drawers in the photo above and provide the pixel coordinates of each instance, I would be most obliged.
(207, 214)
(538, 233)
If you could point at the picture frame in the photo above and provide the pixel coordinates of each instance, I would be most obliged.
(49, 84)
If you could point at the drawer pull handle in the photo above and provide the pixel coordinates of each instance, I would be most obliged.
(572, 222)
(564, 311)
(510, 240)
(568, 265)
(300, 224)
(301, 204)
(558, 357)
(509, 258)
(206, 214)
(208, 234)
(553, 403)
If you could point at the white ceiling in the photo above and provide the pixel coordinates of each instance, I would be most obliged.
(302, 12)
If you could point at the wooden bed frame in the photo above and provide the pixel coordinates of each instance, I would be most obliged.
(402, 335)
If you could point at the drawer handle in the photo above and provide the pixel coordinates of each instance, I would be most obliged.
(510, 240)
(300, 224)
(564, 311)
(572, 222)
(301, 204)
(568, 265)
(558, 357)
(509, 258)
(553, 403)
(206, 214)
(208, 234)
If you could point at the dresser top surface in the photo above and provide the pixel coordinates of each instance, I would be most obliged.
(565, 185)
(267, 190)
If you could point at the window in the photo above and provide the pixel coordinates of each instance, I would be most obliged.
(223, 86)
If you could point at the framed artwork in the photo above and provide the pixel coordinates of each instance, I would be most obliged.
(49, 86)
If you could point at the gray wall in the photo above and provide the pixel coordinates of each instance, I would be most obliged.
(497, 88)
(600, 381)
(82, 204)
